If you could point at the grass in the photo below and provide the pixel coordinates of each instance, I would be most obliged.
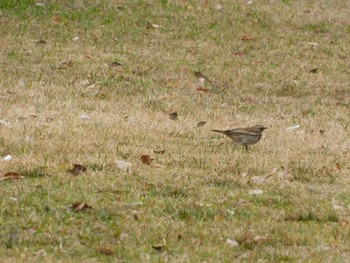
(127, 75)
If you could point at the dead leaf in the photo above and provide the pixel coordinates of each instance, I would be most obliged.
(173, 116)
(146, 159)
(232, 242)
(223, 105)
(150, 25)
(55, 18)
(239, 53)
(116, 63)
(292, 128)
(220, 216)
(218, 7)
(11, 176)
(105, 251)
(250, 239)
(259, 239)
(314, 70)
(201, 123)
(337, 164)
(202, 89)
(64, 64)
(271, 173)
(250, 100)
(247, 38)
(343, 223)
(313, 44)
(159, 247)
(77, 169)
(42, 42)
(322, 132)
(159, 151)
(77, 207)
(165, 96)
(135, 216)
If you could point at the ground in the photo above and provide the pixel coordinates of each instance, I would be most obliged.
(95, 83)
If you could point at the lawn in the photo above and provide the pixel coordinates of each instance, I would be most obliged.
(109, 130)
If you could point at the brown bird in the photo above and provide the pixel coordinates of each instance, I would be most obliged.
(245, 136)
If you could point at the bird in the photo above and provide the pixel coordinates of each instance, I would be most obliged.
(244, 136)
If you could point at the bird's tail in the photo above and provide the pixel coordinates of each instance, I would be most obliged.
(223, 132)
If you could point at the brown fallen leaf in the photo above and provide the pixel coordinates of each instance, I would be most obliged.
(42, 42)
(337, 164)
(250, 100)
(173, 116)
(165, 96)
(116, 63)
(201, 89)
(250, 239)
(150, 25)
(201, 123)
(146, 159)
(135, 216)
(64, 64)
(11, 176)
(77, 207)
(247, 38)
(271, 173)
(239, 53)
(314, 70)
(159, 151)
(77, 169)
(55, 18)
(105, 251)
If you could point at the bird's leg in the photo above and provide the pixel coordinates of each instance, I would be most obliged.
(246, 148)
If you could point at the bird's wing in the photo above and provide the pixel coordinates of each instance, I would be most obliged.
(243, 132)
(223, 132)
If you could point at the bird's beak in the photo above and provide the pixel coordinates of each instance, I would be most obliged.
(265, 128)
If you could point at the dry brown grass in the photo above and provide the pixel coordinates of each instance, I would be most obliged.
(197, 194)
